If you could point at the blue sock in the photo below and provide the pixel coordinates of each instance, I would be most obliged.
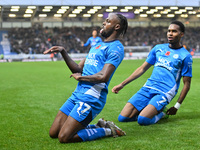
(91, 134)
(91, 126)
(126, 119)
(147, 121)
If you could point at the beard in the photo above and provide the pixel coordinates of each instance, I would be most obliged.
(107, 33)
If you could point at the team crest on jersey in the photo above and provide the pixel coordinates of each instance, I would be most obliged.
(175, 56)
(167, 53)
(103, 47)
(98, 47)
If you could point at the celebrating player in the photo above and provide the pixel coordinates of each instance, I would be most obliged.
(171, 62)
(93, 40)
(94, 74)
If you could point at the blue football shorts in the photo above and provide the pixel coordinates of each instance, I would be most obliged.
(147, 96)
(82, 107)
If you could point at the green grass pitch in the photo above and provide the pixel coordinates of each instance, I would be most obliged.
(31, 94)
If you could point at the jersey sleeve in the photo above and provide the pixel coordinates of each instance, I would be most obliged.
(187, 66)
(100, 40)
(151, 59)
(115, 55)
(88, 42)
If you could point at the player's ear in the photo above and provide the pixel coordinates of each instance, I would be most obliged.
(182, 34)
(117, 26)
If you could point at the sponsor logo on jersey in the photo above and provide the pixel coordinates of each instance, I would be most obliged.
(164, 62)
(175, 56)
(103, 47)
(91, 59)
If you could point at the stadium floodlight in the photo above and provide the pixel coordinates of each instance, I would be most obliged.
(31, 7)
(46, 10)
(184, 15)
(150, 12)
(86, 15)
(164, 12)
(15, 7)
(143, 15)
(113, 7)
(189, 8)
(154, 10)
(97, 7)
(159, 7)
(42, 15)
(168, 10)
(14, 10)
(183, 10)
(174, 8)
(100, 15)
(61, 11)
(64, 7)
(12, 15)
(76, 11)
(29, 11)
(136, 11)
(48, 7)
(27, 15)
(72, 15)
(57, 15)
(170, 15)
(128, 7)
(178, 12)
(91, 11)
(140, 10)
(157, 15)
(192, 12)
(109, 10)
(123, 10)
(144, 7)
(81, 7)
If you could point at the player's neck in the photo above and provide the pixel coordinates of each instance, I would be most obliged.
(111, 38)
(175, 45)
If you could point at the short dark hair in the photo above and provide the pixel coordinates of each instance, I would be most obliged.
(180, 24)
(123, 24)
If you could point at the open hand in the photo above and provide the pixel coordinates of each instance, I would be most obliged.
(54, 49)
(76, 76)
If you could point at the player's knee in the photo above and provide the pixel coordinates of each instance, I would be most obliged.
(62, 138)
(53, 134)
(143, 120)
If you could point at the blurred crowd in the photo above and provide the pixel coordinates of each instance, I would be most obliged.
(37, 39)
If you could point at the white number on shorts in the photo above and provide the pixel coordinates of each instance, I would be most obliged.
(162, 101)
(84, 110)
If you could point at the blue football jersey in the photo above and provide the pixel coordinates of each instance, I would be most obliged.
(99, 55)
(93, 41)
(169, 66)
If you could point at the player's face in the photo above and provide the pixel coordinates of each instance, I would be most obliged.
(94, 33)
(109, 25)
(174, 34)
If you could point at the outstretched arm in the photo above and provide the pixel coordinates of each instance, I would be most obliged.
(136, 74)
(186, 88)
(102, 76)
(73, 66)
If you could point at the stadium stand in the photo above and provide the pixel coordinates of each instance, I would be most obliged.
(37, 39)
(32, 27)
